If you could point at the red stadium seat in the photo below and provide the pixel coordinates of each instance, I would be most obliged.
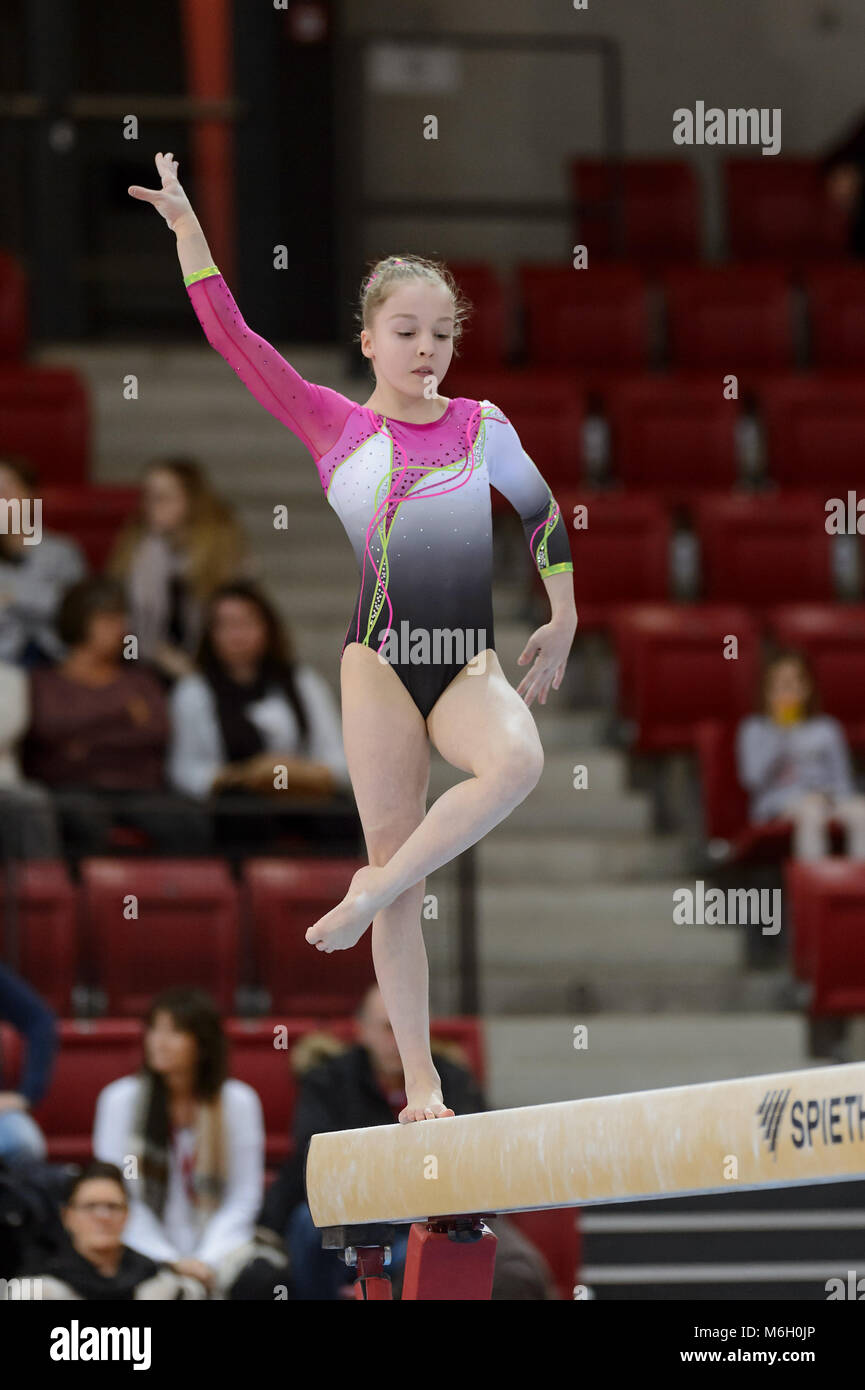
(185, 931)
(725, 800)
(661, 209)
(92, 515)
(546, 408)
(14, 310)
(836, 306)
(11, 1051)
(673, 672)
(91, 1054)
(621, 555)
(815, 431)
(827, 900)
(284, 897)
(833, 636)
(47, 929)
(759, 550)
(260, 1055)
(730, 319)
(556, 1234)
(486, 336)
(45, 416)
(674, 435)
(595, 320)
(778, 208)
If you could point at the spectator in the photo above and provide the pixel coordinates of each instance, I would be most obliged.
(94, 1263)
(795, 762)
(33, 577)
(351, 1089)
(253, 707)
(99, 730)
(28, 825)
(843, 168)
(197, 1139)
(21, 1139)
(183, 545)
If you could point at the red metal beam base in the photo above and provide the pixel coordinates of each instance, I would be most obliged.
(450, 1259)
(373, 1281)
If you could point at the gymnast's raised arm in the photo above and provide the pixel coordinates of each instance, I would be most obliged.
(316, 414)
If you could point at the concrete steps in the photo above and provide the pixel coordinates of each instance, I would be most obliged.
(506, 857)
(532, 1060)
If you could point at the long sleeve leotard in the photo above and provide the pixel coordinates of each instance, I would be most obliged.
(414, 500)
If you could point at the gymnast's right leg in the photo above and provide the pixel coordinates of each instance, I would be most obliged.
(388, 756)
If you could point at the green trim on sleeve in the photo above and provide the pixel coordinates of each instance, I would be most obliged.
(200, 274)
(556, 569)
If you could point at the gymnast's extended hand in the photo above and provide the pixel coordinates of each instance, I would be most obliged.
(548, 646)
(169, 200)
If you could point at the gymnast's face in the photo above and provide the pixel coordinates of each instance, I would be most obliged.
(412, 330)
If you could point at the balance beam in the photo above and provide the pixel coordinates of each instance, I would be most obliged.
(762, 1131)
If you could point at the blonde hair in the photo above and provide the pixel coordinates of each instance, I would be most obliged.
(210, 536)
(387, 275)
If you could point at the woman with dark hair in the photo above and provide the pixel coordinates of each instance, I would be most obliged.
(95, 1264)
(171, 557)
(191, 1142)
(253, 708)
(99, 729)
(795, 762)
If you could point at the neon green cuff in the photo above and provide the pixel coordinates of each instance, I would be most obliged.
(200, 274)
(556, 569)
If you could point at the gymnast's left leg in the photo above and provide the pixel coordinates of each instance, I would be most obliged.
(482, 726)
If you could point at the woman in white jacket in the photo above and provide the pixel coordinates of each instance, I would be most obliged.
(190, 1143)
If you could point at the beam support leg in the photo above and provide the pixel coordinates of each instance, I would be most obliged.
(450, 1259)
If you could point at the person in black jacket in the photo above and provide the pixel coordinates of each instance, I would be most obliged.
(359, 1087)
(21, 1139)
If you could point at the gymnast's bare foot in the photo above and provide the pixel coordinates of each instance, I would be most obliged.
(424, 1101)
(346, 923)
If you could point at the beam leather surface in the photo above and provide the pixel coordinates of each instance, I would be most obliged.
(762, 1131)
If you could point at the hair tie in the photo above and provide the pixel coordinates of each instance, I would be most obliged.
(394, 260)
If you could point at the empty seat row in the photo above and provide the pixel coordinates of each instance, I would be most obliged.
(775, 208)
(756, 549)
(734, 318)
(678, 434)
(135, 926)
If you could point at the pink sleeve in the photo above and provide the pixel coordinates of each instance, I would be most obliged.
(316, 414)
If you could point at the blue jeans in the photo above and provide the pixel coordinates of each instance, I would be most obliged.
(21, 1139)
(318, 1273)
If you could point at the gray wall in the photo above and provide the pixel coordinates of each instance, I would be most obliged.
(512, 123)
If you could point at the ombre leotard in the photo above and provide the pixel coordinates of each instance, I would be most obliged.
(414, 500)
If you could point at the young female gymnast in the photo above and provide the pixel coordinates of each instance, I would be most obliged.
(409, 474)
